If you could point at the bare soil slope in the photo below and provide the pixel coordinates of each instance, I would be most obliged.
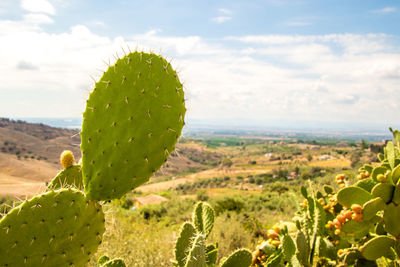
(29, 156)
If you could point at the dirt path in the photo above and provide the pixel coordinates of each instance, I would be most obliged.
(217, 172)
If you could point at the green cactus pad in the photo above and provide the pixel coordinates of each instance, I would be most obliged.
(353, 195)
(328, 189)
(58, 228)
(211, 254)
(384, 191)
(274, 260)
(304, 192)
(366, 184)
(377, 247)
(183, 243)
(133, 119)
(371, 207)
(378, 170)
(391, 217)
(366, 167)
(396, 195)
(71, 176)
(390, 154)
(239, 258)
(358, 229)
(396, 174)
(267, 248)
(303, 248)
(102, 260)
(288, 247)
(196, 256)
(114, 263)
(203, 218)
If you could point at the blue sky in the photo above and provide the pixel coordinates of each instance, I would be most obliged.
(264, 61)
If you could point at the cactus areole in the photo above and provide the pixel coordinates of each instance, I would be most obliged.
(132, 121)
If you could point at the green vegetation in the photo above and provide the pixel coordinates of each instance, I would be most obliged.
(252, 186)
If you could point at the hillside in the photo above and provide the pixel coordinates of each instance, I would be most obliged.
(29, 156)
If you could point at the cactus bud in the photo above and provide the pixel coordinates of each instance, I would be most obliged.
(381, 178)
(67, 159)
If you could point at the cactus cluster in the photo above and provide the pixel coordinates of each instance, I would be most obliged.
(191, 249)
(357, 226)
(133, 119)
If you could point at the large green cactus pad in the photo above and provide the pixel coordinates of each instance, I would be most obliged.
(132, 121)
(371, 207)
(197, 253)
(384, 191)
(58, 228)
(184, 242)
(377, 247)
(391, 217)
(353, 195)
(289, 248)
(239, 258)
(71, 176)
(203, 218)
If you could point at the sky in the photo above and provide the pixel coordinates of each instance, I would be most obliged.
(265, 62)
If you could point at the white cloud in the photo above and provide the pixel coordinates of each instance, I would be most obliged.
(225, 11)
(23, 65)
(41, 6)
(297, 23)
(221, 19)
(97, 23)
(38, 19)
(385, 10)
(224, 16)
(337, 77)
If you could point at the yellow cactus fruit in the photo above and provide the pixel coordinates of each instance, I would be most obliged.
(340, 177)
(341, 218)
(356, 208)
(348, 215)
(358, 217)
(272, 234)
(276, 242)
(337, 224)
(276, 229)
(381, 178)
(67, 159)
(338, 232)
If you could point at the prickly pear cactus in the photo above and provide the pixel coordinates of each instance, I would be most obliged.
(71, 176)
(191, 249)
(105, 261)
(203, 218)
(183, 242)
(239, 258)
(133, 118)
(361, 221)
(197, 253)
(58, 228)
